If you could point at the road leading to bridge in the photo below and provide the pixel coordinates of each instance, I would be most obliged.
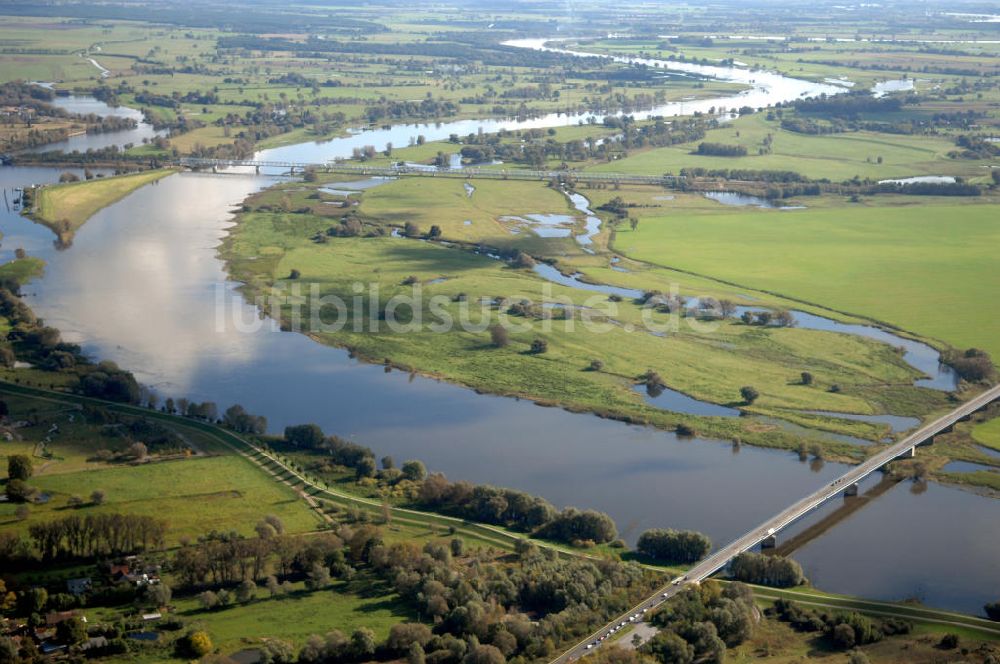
(721, 558)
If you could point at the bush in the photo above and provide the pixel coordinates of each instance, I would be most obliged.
(19, 467)
(539, 346)
(949, 641)
(18, 491)
(749, 394)
(498, 336)
(196, 644)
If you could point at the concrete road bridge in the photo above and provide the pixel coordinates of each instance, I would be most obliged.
(412, 170)
(765, 533)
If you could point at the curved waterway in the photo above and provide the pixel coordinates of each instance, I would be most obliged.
(142, 285)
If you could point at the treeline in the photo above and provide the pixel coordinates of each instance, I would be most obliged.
(43, 346)
(721, 150)
(35, 97)
(674, 546)
(782, 177)
(491, 54)
(843, 629)
(482, 503)
(849, 104)
(249, 17)
(93, 535)
(929, 188)
(516, 510)
(537, 146)
(766, 570)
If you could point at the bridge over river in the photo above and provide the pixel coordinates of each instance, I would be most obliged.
(404, 170)
(764, 534)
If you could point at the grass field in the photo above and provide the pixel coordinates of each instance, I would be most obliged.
(837, 157)
(988, 433)
(929, 269)
(66, 207)
(362, 602)
(195, 495)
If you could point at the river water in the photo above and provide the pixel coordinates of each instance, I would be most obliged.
(142, 285)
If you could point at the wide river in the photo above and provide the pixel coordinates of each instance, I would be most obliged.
(142, 285)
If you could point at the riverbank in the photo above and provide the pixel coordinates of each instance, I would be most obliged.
(65, 207)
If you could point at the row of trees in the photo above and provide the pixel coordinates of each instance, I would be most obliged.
(486, 504)
(84, 537)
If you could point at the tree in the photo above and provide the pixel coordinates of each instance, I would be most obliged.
(208, 600)
(363, 643)
(71, 631)
(19, 467)
(198, 643)
(993, 611)
(435, 231)
(414, 471)
(858, 657)
(498, 336)
(484, 654)
(416, 654)
(159, 594)
(539, 346)
(18, 491)
(9, 652)
(388, 463)
(807, 378)
(318, 577)
(669, 648)
(97, 496)
(366, 467)
(411, 230)
(276, 651)
(308, 436)
(949, 641)
(633, 223)
(749, 394)
(138, 451)
(843, 636)
(246, 591)
(402, 636)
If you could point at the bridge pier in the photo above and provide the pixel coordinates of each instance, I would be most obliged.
(256, 169)
(851, 490)
(910, 453)
(769, 542)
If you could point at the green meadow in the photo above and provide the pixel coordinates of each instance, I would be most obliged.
(836, 157)
(195, 495)
(929, 269)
